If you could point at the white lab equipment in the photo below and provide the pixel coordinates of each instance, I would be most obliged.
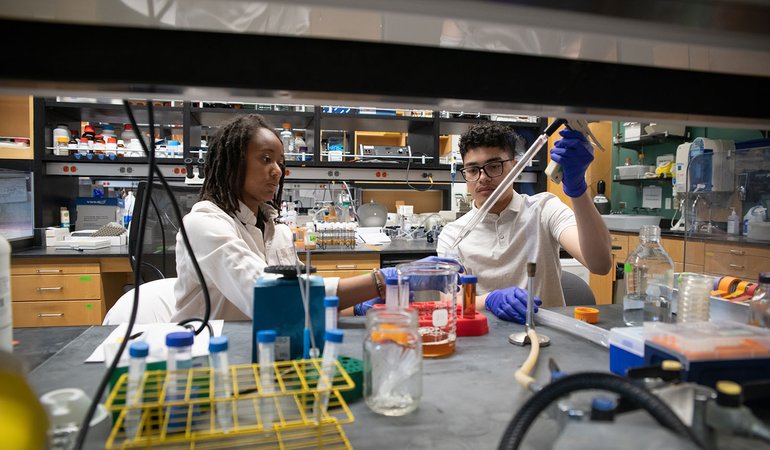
(137, 365)
(266, 348)
(507, 181)
(705, 165)
(332, 339)
(221, 381)
(331, 303)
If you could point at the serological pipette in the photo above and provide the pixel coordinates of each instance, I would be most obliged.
(508, 180)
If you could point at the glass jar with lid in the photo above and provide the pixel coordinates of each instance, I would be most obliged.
(392, 362)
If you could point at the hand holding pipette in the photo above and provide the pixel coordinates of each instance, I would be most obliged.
(571, 156)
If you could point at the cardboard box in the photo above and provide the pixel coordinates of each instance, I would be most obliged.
(94, 213)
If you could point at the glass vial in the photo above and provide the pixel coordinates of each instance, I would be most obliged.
(694, 297)
(392, 362)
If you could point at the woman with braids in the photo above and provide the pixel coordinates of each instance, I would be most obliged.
(233, 232)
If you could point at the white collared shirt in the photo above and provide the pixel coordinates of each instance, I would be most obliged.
(231, 252)
(498, 249)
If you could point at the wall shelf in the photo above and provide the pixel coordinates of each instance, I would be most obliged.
(649, 139)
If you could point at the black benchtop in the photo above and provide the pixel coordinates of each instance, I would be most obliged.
(37, 252)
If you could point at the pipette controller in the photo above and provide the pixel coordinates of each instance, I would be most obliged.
(508, 180)
(553, 171)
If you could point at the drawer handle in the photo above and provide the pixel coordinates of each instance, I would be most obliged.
(51, 315)
(736, 266)
(737, 252)
(346, 266)
(48, 270)
(57, 288)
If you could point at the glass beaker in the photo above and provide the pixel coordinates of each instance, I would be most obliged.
(392, 362)
(433, 290)
(694, 297)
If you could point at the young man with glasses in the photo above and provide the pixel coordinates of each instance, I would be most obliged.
(521, 228)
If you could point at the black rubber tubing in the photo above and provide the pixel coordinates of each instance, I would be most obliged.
(635, 393)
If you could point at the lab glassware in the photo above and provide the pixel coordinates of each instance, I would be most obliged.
(759, 307)
(392, 361)
(331, 303)
(649, 277)
(433, 289)
(178, 363)
(137, 365)
(694, 297)
(332, 340)
(221, 381)
(391, 293)
(266, 347)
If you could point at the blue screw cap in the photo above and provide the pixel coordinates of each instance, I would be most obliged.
(218, 344)
(331, 301)
(469, 279)
(333, 336)
(391, 281)
(138, 349)
(180, 339)
(602, 403)
(266, 336)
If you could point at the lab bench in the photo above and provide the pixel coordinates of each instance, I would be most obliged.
(468, 398)
(717, 255)
(53, 288)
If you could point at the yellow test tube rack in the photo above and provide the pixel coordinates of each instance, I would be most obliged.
(189, 420)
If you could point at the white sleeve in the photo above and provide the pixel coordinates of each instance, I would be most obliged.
(224, 258)
(558, 216)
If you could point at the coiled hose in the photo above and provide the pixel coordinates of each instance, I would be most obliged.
(634, 393)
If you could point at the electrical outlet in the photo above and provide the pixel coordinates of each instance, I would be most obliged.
(668, 203)
(622, 205)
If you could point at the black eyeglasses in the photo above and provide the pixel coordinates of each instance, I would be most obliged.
(493, 169)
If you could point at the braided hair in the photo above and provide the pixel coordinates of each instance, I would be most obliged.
(225, 169)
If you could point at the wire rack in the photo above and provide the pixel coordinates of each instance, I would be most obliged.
(183, 410)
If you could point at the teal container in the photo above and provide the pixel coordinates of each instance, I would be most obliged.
(278, 306)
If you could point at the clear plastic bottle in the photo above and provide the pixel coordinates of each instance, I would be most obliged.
(733, 223)
(392, 362)
(331, 303)
(332, 339)
(391, 293)
(287, 138)
(649, 275)
(137, 365)
(221, 381)
(301, 147)
(266, 350)
(759, 308)
(694, 297)
(178, 362)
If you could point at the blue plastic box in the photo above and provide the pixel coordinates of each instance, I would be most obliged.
(626, 349)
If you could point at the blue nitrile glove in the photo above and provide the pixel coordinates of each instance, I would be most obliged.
(510, 304)
(432, 283)
(361, 308)
(441, 259)
(574, 153)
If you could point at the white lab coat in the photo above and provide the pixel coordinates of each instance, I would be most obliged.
(232, 253)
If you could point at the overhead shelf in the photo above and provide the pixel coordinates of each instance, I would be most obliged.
(649, 139)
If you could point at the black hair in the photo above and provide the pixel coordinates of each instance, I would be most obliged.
(491, 134)
(225, 169)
